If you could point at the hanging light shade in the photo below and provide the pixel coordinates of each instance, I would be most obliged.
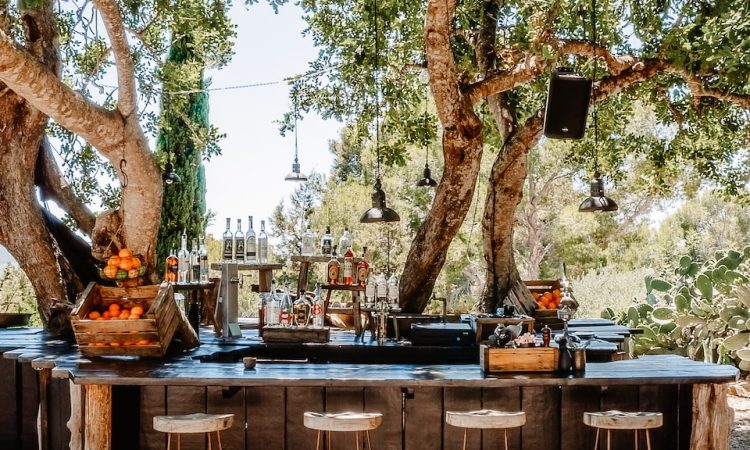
(169, 176)
(379, 212)
(426, 180)
(597, 201)
(295, 174)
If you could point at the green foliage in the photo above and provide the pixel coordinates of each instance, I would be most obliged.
(702, 313)
(16, 293)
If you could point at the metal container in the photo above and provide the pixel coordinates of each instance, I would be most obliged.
(579, 360)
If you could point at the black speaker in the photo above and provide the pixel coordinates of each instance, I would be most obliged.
(567, 105)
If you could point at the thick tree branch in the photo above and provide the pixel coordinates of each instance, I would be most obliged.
(127, 95)
(698, 89)
(53, 186)
(505, 80)
(640, 71)
(28, 78)
(615, 64)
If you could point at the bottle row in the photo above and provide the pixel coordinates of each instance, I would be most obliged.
(188, 266)
(243, 247)
(282, 311)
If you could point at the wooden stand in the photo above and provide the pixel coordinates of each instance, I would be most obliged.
(278, 334)
(532, 359)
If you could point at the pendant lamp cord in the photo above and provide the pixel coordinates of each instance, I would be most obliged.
(377, 88)
(596, 65)
(426, 139)
(294, 97)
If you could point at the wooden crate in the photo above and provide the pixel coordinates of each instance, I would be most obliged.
(279, 334)
(533, 359)
(161, 320)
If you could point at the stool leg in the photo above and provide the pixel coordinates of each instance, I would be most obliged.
(178, 442)
(465, 431)
(505, 433)
(356, 440)
(596, 442)
(648, 439)
(317, 441)
(635, 433)
(328, 437)
(208, 435)
(218, 439)
(609, 439)
(369, 444)
(169, 441)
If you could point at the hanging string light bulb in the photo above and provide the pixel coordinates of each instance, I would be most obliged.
(169, 176)
(295, 174)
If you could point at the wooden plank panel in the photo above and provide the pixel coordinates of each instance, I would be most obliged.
(153, 403)
(622, 398)
(459, 399)
(59, 413)
(423, 416)
(223, 400)
(575, 400)
(389, 402)
(542, 407)
(265, 413)
(125, 417)
(502, 399)
(685, 416)
(300, 400)
(9, 401)
(341, 399)
(188, 400)
(664, 399)
(29, 394)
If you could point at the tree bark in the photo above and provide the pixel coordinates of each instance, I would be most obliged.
(462, 150)
(712, 417)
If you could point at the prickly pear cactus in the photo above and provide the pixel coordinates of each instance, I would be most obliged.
(702, 311)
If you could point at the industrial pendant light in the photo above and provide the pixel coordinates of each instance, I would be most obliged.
(169, 176)
(597, 201)
(295, 174)
(380, 212)
(426, 180)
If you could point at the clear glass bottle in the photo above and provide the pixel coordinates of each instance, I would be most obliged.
(363, 269)
(370, 291)
(227, 243)
(326, 242)
(349, 267)
(393, 291)
(195, 262)
(239, 243)
(308, 243)
(345, 241)
(272, 309)
(262, 244)
(334, 268)
(183, 260)
(171, 267)
(285, 309)
(302, 310)
(251, 245)
(381, 288)
(203, 260)
(318, 309)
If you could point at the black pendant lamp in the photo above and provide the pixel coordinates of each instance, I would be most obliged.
(295, 174)
(380, 212)
(426, 180)
(597, 201)
(169, 176)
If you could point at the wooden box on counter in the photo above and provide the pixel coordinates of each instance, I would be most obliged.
(531, 359)
(148, 336)
(295, 335)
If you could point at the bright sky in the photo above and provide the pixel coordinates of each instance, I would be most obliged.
(248, 178)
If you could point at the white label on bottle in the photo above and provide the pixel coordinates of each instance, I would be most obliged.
(250, 249)
(228, 249)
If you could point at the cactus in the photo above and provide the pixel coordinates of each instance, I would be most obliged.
(702, 311)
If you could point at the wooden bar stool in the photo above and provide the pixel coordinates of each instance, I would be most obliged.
(193, 423)
(618, 420)
(346, 421)
(486, 418)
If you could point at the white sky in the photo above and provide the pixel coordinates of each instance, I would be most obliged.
(248, 178)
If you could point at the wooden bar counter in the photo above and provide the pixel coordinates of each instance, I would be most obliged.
(122, 395)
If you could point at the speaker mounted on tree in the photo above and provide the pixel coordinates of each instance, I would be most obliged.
(567, 105)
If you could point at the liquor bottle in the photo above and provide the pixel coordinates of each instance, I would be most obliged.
(393, 291)
(370, 297)
(251, 245)
(318, 309)
(308, 243)
(183, 260)
(334, 267)
(195, 263)
(171, 267)
(363, 269)
(272, 309)
(381, 288)
(227, 243)
(262, 244)
(345, 241)
(202, 260)
(302, 310)
(326, 242)
(285, 309)
(349, 267)
(239, 243)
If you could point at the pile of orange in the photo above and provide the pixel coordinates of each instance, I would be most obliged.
(548, 300)
(122, 344)
(116, 312)
(122, 266)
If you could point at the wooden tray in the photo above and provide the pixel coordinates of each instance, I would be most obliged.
(161, 320)
(533, 359)
(287, 335)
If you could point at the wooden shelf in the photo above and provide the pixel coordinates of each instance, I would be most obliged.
(320, 259)
(343, 287)
(243, 266)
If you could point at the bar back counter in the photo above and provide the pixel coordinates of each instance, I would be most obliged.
(113, 400)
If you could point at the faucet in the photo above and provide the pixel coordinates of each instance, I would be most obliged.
(444, 301)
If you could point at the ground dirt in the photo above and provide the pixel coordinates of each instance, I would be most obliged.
(741, 428)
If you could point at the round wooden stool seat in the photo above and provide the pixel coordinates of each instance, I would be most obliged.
(619, 420)
(347, 421)
(485, 418)
(193, 423)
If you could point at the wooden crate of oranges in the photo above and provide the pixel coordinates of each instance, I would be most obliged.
(138, 321)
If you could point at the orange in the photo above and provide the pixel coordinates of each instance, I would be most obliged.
(99, 344)
(114, 308)
(535, 295)
(113, 261)
(541, 306)
(125, 264)
(93, 315)
(143, 342)
(125, 253)
(114, 344)
(137, 310)
(133, 273)
(136, 262)
(106, 315)
(110, 271)
(124, 315)
(134, 317)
